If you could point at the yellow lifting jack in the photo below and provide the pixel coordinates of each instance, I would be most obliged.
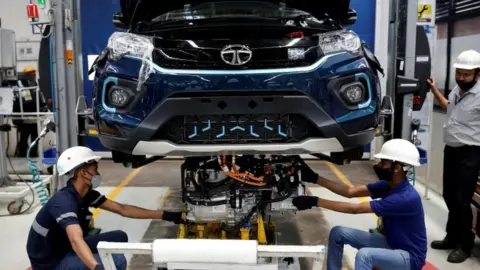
(214, 231)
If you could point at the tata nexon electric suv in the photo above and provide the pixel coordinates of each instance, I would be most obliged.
(198, 78)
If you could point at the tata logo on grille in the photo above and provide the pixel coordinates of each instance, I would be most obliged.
(236, 55)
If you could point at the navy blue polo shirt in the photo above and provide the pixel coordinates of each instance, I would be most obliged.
(47, 240)
(403, 219)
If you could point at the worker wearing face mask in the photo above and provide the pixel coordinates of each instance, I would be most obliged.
(461, 155)
(57, 236)
(404, 242)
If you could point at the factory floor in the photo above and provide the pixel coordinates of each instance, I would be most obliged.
(157, 186)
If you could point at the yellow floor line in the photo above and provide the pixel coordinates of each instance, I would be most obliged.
(119, 188)
(165, 198)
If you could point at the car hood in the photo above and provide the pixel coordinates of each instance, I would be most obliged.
(149, 9)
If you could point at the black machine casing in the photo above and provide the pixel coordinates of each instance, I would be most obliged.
(417, 86)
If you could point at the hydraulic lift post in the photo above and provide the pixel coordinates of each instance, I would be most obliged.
(407, 39)
(401, 82)
(409, 67)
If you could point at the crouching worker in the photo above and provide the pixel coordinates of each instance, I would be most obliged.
(57, 238)
(404, 243)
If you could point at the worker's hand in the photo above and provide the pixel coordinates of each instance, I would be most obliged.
(175, 217)
(432, 84)
(99, 267)
(305, 202)
(308, 175)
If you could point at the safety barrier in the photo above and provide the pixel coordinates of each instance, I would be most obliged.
(10, 190)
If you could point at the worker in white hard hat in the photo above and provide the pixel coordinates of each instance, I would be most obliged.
(461, 165)
(57, 238)
(403, 244)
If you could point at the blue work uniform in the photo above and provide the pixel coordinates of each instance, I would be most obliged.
(48, 241)
(402, 214)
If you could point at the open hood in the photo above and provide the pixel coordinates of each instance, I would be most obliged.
(146, 10)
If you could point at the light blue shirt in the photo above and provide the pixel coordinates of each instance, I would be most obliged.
(462, 126)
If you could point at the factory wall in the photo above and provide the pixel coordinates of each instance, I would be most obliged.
(13, 16)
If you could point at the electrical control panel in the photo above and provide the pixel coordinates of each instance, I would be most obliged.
(8, 52)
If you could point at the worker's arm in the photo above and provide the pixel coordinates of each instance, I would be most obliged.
(79, 246)
(344, 190)
(63, 209)
(131, 211)
(345, 207)
(308, 202)
(393, 205)
(438, 95)
(98, 200)
(308, 175)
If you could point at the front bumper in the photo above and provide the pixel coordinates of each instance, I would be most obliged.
(330, 136)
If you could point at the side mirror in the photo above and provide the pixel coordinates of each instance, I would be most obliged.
(351, 18)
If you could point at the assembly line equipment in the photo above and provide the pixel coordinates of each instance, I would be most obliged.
(210, 254)
(14, 188)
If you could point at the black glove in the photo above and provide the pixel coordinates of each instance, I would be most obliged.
(308, 175)
(305, 202)
(175, 217)
(99, 267)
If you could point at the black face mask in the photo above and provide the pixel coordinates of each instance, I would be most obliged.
(465, 86)
(383, 174)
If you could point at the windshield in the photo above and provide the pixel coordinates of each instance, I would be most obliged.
(230, 9)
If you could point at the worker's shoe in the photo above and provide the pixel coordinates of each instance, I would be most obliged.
(443, 244)
(458, 255)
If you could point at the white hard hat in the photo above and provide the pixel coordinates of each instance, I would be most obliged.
(400, 150)
(468, 60)
(74, 157)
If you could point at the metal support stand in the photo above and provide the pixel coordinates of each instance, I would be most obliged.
(409, 68)
(402, 57)
(65, 92)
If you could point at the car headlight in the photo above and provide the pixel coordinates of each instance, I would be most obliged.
(344, 40)
(130, 44)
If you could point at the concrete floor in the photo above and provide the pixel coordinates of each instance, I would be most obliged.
(147, 187)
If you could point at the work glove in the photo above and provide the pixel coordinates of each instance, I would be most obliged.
(305, 202)
(175, 217)
(308, 175)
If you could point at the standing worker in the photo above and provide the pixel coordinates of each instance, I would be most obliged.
(404, 243)
(461, 164)
(27, 128)
(57, 236)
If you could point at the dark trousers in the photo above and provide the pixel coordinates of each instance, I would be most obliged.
(72, 261)
(461, 166)
(27, 131)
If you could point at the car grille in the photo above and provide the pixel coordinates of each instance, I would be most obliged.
(177, 55)
(237, 129)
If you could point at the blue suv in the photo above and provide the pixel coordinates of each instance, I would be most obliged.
(199, 78)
